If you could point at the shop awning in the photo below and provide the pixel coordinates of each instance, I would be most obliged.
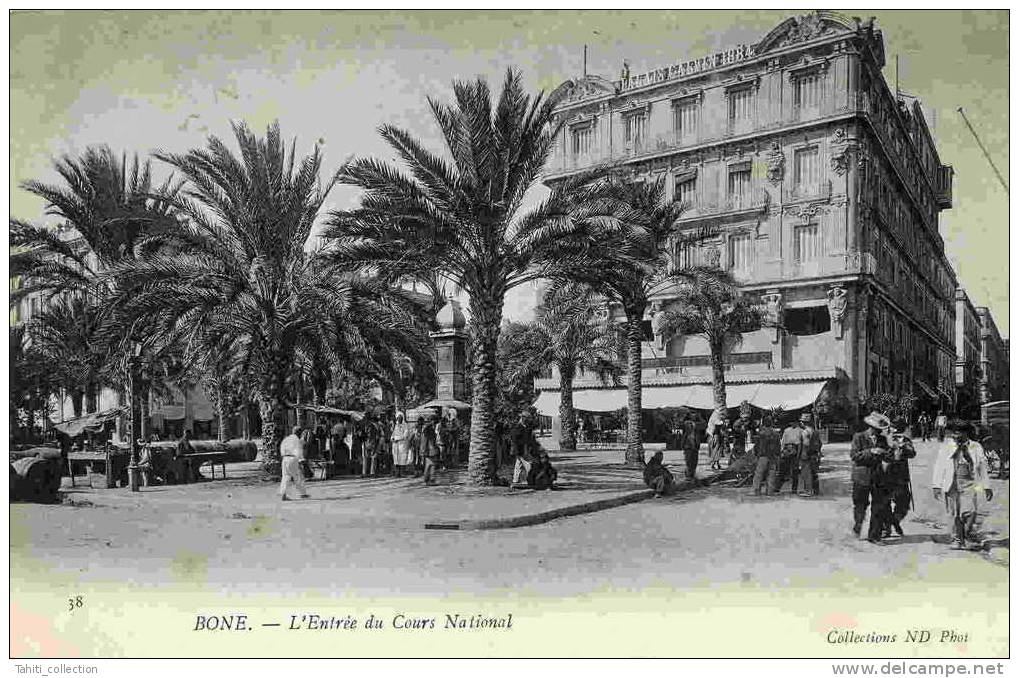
(446, 403)
(766, 395)
(89, 422)
(788, 395)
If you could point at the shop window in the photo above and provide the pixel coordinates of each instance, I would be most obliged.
(807, 321)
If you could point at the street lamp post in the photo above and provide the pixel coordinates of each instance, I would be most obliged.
(132, 387)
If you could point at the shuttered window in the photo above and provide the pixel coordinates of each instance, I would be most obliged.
(806, 168)
(741, 105)
(808, 91)
(741, 253)
(684, 120)
(582, 138)
(686, 190)
(806, 243)
(686, 254)
(739, 188)
(636, 129)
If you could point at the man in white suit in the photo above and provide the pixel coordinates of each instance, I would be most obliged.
(960, 475)
(291, 456)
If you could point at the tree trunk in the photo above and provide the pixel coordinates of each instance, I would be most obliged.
(718, 375)
(568, 436)
(487, 312)
(273, 411)
(634, 425)
(77, 396)
(221, 432)
(91, 403)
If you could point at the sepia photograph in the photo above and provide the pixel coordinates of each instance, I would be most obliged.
(568, 333)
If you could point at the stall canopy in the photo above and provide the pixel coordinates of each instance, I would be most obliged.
(765, 395)
(92, 423)
(322, 409)
(445, 403)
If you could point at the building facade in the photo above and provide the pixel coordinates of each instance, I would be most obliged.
(967, 356)
(820, 189)
(993, 360)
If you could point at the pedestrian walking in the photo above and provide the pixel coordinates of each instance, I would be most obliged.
(691, 445)
(716, 439)
(867, 452)
(960, 476)
(924, 424)
(896, 474)
(940, 424)
(403, 455)
(810, 461)
(791, 446)
(416, 443)
(291, 471)
(767, 451)
(184, 449)
(656, 476)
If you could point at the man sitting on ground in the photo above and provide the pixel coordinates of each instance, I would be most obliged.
(656, 476)
(542, 475)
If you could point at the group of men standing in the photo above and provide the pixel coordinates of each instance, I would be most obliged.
(374, 447)
(794, 455)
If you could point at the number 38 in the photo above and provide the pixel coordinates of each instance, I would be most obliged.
(75, 603)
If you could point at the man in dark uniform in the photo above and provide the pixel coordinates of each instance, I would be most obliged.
(868, 450)
(896, 477)
(691, 445)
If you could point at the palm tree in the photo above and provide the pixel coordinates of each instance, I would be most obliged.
(237, 271)
(462, 216)
(717, 311)
(66, 333)
(106, 206)
(564, 334)
(628, 264)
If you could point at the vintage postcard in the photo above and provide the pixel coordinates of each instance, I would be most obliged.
(509, 333)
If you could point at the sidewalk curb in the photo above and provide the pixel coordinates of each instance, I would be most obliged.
(565, 511)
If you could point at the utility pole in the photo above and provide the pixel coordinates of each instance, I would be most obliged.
(585, 61)
(983, 148)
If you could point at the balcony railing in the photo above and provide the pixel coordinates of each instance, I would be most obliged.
(820, 190)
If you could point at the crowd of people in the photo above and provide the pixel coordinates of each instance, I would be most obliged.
(880, 456)
(376, 446)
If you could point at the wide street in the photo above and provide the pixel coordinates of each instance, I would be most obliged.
(367, 535)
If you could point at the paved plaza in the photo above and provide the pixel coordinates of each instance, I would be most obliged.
(368, 534)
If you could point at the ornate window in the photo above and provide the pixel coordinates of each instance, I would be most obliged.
(581, 141)
(635, 129)
(684, 118)
(807, 91)
(686, 189)
(739, 186)
(741, 253)
(806, 243)
(741, 108)
(806, 168)
(686, 254)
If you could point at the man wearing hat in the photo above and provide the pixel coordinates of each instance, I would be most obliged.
(869, 448)
(960, 474)
(896, 476)
(810, 462)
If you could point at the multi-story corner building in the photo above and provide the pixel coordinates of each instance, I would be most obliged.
(820, 189)
(993, 360)
(967, 356)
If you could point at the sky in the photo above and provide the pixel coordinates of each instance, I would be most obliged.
(145, 80)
